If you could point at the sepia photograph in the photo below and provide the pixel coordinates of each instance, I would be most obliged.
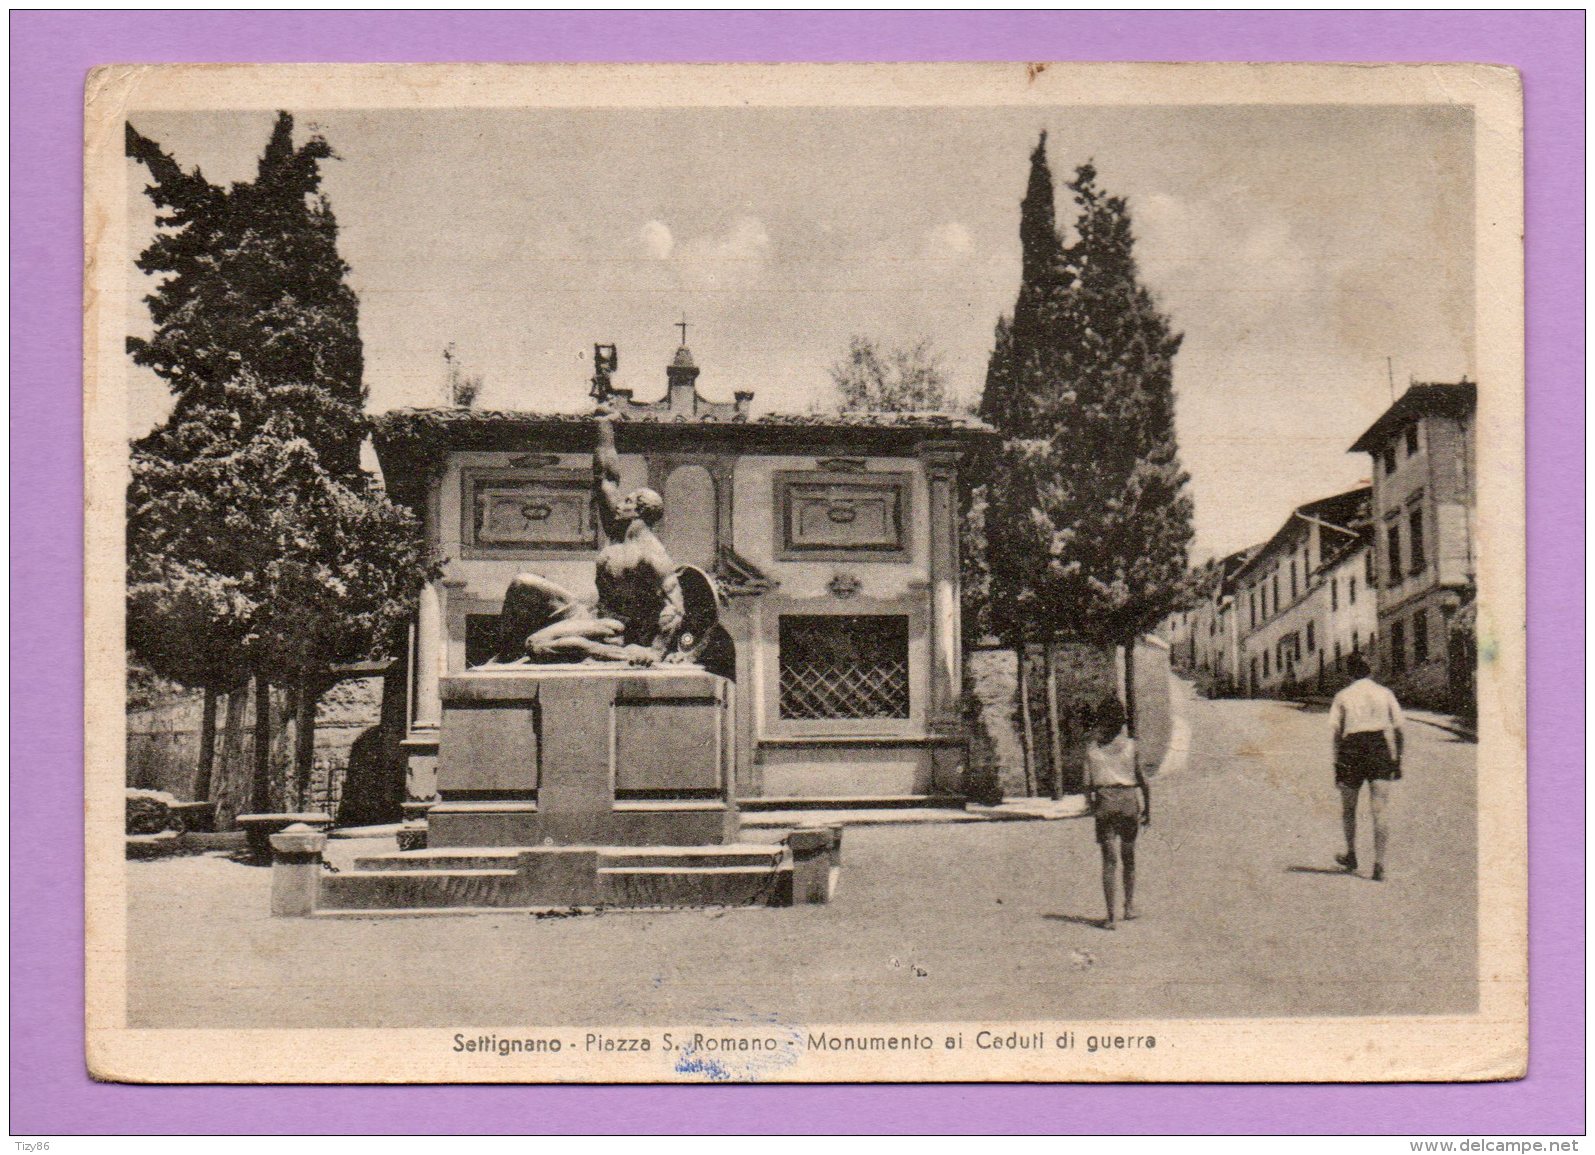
(788, 573)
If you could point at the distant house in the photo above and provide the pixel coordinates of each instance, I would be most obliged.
(834, 540)
(1422, 449)
(1302, 600)
(1204, 639)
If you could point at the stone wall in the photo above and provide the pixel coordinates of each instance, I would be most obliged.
(1085, 674)
(1154, 722)
(163, 743)
(990, 716)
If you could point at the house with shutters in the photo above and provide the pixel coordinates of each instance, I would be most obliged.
(1204, 638)
(1303, 600)
(833, 539)
(1422, 451)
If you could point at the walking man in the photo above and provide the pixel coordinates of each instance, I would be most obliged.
(1366, 722)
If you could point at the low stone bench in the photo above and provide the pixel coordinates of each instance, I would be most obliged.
(194, 817)
(153, 845)
(258, 829)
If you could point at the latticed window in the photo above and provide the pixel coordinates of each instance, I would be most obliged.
(844, 667)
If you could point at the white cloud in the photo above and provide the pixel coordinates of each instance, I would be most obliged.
(733, 259)
(745, 240)
(657, 239)
(1161, 222)
(949, 241)
(1221, 244)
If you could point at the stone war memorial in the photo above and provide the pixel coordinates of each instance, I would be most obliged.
(651, 616)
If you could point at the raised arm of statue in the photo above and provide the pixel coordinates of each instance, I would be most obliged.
(606, 478)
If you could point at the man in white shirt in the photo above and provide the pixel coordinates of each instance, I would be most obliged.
(1367, 725)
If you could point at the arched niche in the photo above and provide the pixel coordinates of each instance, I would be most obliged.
(688, 527)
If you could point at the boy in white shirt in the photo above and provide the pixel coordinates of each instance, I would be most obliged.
(1366, 722)
(1120, 799)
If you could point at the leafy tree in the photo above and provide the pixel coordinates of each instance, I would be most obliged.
(256, 543)
(899, 380)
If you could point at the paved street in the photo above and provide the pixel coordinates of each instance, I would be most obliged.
(1244, 914)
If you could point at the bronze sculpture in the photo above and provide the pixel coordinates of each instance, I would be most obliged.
(649, 610)
(637, 582)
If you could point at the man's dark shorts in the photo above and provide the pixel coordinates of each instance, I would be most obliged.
(1365, 757)
(1118, 812)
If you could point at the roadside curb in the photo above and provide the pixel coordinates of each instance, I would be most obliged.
(1017, 810)
(1440, 723)
(1446, 722)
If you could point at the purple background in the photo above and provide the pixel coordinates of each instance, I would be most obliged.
(51, 52)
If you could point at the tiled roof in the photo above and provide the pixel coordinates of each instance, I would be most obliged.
(1348, 511)
(1232, 565)
(1336, 554)
(410, 441)
(1421, 400)
(1343, 509)
(395, 419)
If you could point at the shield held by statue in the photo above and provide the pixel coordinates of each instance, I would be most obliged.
(702, 640)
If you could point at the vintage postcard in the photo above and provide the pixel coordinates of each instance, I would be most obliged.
(797, 573)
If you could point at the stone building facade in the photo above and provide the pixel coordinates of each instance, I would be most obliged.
(834, 540)
(1302, 602)
(1423, 455)
(1204, 640)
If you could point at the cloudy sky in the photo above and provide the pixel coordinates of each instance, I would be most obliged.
(1296, 247)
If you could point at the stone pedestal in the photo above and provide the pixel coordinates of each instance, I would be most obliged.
(584, 755)
(586, 787)
(259, 828)
(296, 870)
(816, 854)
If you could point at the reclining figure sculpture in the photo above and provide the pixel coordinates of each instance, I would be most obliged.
(649, 610)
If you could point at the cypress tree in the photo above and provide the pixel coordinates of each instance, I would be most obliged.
(1118, 508)
(1087, 520)
(252, 280)
(1088, 516)
(1021, 378)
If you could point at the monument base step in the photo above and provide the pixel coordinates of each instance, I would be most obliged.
(801, 869)
(434, 860)
(691, 857)
(674, 822)
(446, 859)
(689, 886)
(540, 911)
(620, 877)
(855, 802)
(387, 889)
